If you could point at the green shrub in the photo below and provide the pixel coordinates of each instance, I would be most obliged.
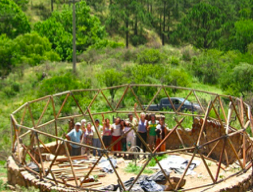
(9, 92)
(15, 87)
(150, 56)
(174, 60)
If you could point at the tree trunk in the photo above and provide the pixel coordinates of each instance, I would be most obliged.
(164, 10)
(160, 28)
(52, 5)
(127, 33)
(168, 29)
(136, 26)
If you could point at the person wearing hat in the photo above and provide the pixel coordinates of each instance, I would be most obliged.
(95, 141)
(75, 136)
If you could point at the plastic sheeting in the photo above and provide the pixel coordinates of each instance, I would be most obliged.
(144, 183)
(177, 164)
(106, 165)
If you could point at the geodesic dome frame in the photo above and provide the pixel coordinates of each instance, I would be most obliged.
(221, 113)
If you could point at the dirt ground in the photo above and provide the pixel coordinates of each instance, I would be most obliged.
(200, 178)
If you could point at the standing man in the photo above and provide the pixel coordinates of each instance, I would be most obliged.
(75, 136)
(95, 141)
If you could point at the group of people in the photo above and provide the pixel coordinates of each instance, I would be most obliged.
(121, 135)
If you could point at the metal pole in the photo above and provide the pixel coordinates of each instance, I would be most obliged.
(74, 37)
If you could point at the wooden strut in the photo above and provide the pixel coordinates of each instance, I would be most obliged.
(107, 100)
(167, 136)
(71, 164)
(200, 153)
(121, 98)
(221, 155)
(43, 112)
(34, 160)
(204, 122)
(40, 156)
(178, 109)
(166, 93)
(153, 98)
(186, 169)
(213, 148)
(137, 98)
(202, 108)
(55, 119)
(55, 157)
(64, 101)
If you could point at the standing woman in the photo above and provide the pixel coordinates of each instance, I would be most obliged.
(161, 132)
(116, 133)
(107, 132)
(142, 128)
(87, 139)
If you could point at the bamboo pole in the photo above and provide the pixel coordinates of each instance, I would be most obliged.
(236, 112)
(34, 160)
(23, 116)
(137, 177)
(213, 148)
(55, 120)
(186, 169)
(115, 87)
(88, 174)
(64, 101)
(43, 112)
(167, 136)
(48, 150)
(207, 168)
(18, 109)
(39, 99)
(70, 161)
(153, 98)
(233, 148)
(107, 100)
(77, 103)
(202, 108)
(121, 98)
(184, 101)
(222, 109)
(166, 93)
(204, 122)
(30, 112)
(42, 125)
(40, 156)
(61, 93)
(55, 157)
(221, 155)
(166, 176)
(136, 98)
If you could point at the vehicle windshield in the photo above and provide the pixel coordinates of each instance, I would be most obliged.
(186, 101)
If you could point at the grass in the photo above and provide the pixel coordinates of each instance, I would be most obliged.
(152, 162)
(132, 168)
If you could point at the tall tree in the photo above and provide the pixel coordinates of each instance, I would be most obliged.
(202, 26)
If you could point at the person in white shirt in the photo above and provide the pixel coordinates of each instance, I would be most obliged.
(116, 133)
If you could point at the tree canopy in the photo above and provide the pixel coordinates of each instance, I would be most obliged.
(13, 20)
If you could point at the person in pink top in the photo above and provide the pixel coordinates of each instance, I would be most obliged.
(107, 132)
